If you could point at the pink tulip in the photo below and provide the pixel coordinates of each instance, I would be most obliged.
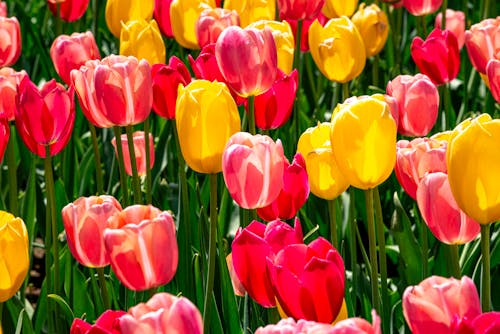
(163, 313)
(422, 7)
(482, 43)
(416, 158)
(290, 326)
(455, 22)
(9, 82)
(212, 22)
(162, 16)
(10, 43)
(68, 10)
(4, 136)
(114, 91)
(238, 288)
(299, 9)
(84, 222)
(70, 52)
(142, 246)
(139, 143)
(3, 9)
(487, 323)
(253, 169)
(441, 305)
(358, 326)
(107, 323)
(293, 195)
(304, 39)
(247, 59)
(250, 249)
(493, 73)
(418, 103)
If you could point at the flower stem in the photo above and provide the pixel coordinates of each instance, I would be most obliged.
(297, 63)
(97, 157)
(245, 314)
(121, 167)
(454, 261)
(485, 277)
(104, 288)
(375, 70)
(12, 168)
(100, 307)
(51, 215)
(332, 210)
(133, 162)
(251, 114)
(485, 16)
(379, 221)
(149, 196)
(373, 250)
(443, 14)
(345, 91)
(352, 243)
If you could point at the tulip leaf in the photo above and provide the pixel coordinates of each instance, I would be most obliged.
(82, 304)
(66, 310)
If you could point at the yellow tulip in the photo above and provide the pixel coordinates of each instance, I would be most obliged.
(283, 38)
(118, 11)
(338, 8)
(474, 168)
(337, 49)
(14, 256)
(142, 39)
(206, 116)
(363, 140)
(183, 17)
(252, 10)
(325, 179)
(373, 26)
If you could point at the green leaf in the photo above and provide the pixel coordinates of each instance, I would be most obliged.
(67, 312)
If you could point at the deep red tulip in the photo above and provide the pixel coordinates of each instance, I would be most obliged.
(166, 79)
(299, 9)
(438, 56)
(84, 222)
(114, 91)
(10, 43)
(304, 39)
(107, 323)
(493, 74)
(308, 280)
(212, 22)
(422, 7)
(45, 117)
(4, 136)
(139, 143)
(252, 246)
(482, 43)
(70, 52)
(68, 10)
(455, 22)
(162, 17)
(3, 9)
(9, 82)
(487, 323)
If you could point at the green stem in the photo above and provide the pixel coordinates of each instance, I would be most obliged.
(424, 243)
(133, 162)
(352, 244)
(100, 307)
(485, 277)
(1, 316)
(97, 157)
(251, 114)
(373, 250)
(245, 314)
(104, 288)
(454, 261)
(443, 14)
(121, 166)
(485, 16)
(95, 19)
(12, 168)
(51, 208)
(152, 292)
(423, 26)
(382, 259)
(345, 91)
(375, 69)
(297, 63)
(448, 108)
(149, 196)
(332, 210)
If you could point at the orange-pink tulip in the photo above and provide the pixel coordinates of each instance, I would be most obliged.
(358, 326)
(10, 43)
(68, 10)
(4, 136)
(455, 22)
(3, 9)
(9, 82)
(212, 22)
(493, 73)
(482, 43)
(139, 143)
(422, 7)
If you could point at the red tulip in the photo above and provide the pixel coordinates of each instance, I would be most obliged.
(252, 246)
(142, 246)
(161, 15)
(10, 43)
(416, 158)
(84, 222)
(422, 7)
(253, 169)
(163, 313)
(68, 10)
(139, 143)
(455, 22)
(482, 43)
(293, 195)
(107, 323)
(438, 56)
(45, 117)
(3, 9)
(247, 59)
(9, 82)
(308, 280)
(487, 323)
(4, 136)
(441, 305)
(71, 52)
(212, 22)
(493, 73)
(418, 103)
(299, 9)
(304, 39)
(166, 79)
(114, 91)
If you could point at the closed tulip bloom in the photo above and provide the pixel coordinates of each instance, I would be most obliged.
(487, 323)
(183, 17)
(212, 22)
(107, 323)
(4, 136)
(337, 49)
(252, 10)
(363, 137)
(206, 118)
(45, 117)
(455, 22)
(118, 11)
(238, 288)
(304, 39)
(68, 10)
(114, 91)
(161, 15)
(15, 261)
(493, 74)
(166, 80)
(70, 52)
(299, 9)
(440, 305)
(438, 56)
(483, 43)
(252, 246)
(139, 143)
(417, 98)
(422, 7)
(84, 221)
(9, 82)
(10, 43)
(252, 166)
(163, 313)
(142, 246)
(416, 158)
(373, 26)
(142, 39)
(247, 59)
(338, 8)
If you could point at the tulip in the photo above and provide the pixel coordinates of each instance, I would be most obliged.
(422, 7)
(416, 158)
(4, 136)
(68, 10)
(212, 22)
(418, 103)
(183, 17)
(290, 326)
(238, 288)
(252, 246)
(358, 326)
(139, 143)
(9, 82)
(166, 80)
(299, 9)
(493, 73)
(308, 280)
(293, 195)
(440, 305)
(455, 22)
(257, 161)
(373, 26)
(3, 12)
(251, 11)
(118, 11)
(10, 43)
(84, 222)
(363, 137)
(438, 56)
(337, 49)
(45, 117)
(142, 39)
(114, 91)
(304, 39)
(70, 52)
(338, 8)
(247, 59)
(142, 246)
(206, 117)
(163, 313)
(15, 256)
(107, 323)
(482, 43)
(487, 323)
(161, 15)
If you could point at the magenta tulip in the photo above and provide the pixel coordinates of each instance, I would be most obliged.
(487, 323)
(422, 7)
(107, 323)
(455, 22)
(10, 43)
(238, 288)
(212, 22)
(299, 9)
(4, 136)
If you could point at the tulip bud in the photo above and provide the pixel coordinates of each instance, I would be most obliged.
(482, 43)
(251, 11)
(455, 22)
(421, 7)
(9, 83)
(10, 43)
(212, 22)
(162, 17)
(142, 39)
(118, 11)
(139, 143)
(373, 26)
(183, 17)
(299, 9)
(338, 8)
(68, 10)
(493, 73)
(107, 323)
